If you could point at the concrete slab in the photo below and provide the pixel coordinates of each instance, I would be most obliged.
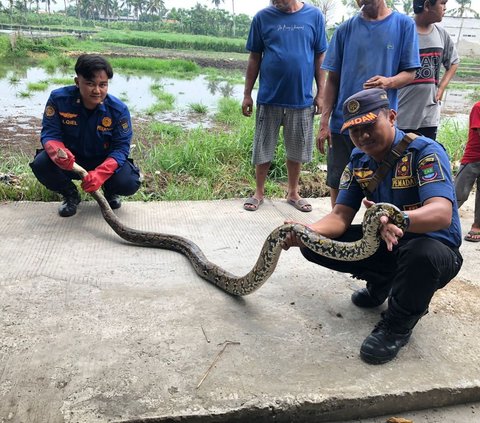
(96, 330)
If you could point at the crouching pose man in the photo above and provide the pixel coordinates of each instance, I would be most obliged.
(409, 266)
(94, 129)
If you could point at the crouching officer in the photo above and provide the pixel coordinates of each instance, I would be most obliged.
(412, 173)
(94, 129)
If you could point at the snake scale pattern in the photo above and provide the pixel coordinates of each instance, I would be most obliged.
(270, 252)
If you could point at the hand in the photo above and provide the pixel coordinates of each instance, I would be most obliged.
(97, 177)
(291, 240)
(65, 161)
(324, 134)
(389, 232)
(317, 105)
(378, 81)
(247, 106)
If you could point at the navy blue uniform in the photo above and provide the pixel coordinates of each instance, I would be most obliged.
(92, 136)
(420, 263)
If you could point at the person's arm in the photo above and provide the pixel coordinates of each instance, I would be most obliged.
(332, 225)
(393, 82)
(253, 68)
(434, 215)
(52, 138)
(329, 97)
(320, 82)
(447, 76)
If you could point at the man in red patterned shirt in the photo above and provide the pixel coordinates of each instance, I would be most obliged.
(469, 172)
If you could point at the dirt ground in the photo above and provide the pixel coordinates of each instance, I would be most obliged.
(19, 135)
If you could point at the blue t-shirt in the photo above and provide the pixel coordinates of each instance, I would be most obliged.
(361, 49)
(422, 172)
(288, 43)
(104, 132)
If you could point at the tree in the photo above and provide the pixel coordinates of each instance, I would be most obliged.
(325, 6)
(217, 2)
(464, 6)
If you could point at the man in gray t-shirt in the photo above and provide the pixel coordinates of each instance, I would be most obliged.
(419, 102)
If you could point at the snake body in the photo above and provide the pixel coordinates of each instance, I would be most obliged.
(270, 252)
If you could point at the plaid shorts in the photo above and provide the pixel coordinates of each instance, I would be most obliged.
(297, 133)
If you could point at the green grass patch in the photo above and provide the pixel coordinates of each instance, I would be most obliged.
(198, 108)
(37, 86)
(178, 68)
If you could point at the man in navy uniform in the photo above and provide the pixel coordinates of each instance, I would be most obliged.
(93, 128)
(410, 264)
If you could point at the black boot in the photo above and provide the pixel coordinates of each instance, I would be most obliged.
(376, 292)
(114, 201)
(71, 199)
(389, 335)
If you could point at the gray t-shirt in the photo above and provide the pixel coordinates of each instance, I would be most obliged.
(417, 107)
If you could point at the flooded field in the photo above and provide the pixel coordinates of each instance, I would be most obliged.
(17, 100)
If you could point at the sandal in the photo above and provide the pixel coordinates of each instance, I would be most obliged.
(301, 204)
(252, 204)
(472, 236)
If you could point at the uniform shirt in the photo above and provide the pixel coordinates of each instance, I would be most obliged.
(288, 43)
(361, 49)
(472, 149)
(417, 106)
(95, 134)
(422, 172)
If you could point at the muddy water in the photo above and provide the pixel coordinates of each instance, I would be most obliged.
(133, 90)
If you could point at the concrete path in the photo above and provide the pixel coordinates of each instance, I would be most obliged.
(96, 330)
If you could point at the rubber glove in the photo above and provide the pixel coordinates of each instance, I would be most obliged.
(97, 177)
(52, 147)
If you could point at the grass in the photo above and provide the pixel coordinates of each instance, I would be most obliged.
(198, 108)
(37, 86)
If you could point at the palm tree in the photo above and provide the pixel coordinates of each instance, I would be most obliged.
(217, 2)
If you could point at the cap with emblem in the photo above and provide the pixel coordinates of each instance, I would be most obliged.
(362, 108)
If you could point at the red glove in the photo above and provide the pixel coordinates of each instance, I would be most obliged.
(96, 178)
(65, 163)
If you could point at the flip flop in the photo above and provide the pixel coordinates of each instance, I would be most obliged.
(301, 204)
(471, 236)
(254, 204)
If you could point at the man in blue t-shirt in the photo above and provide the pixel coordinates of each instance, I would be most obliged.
(409, 265)
(93, 129)
(287, 42)
(377, 48)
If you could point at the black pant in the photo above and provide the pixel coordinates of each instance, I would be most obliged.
(125, 181)
(413, 271)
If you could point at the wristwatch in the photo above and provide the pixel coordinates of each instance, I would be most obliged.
(406, 221)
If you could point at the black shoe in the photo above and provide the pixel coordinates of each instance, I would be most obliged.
(366, 299)
(69, 206)
(390, 334)
(383, 345)
(114, 201)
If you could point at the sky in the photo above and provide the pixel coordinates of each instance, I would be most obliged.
(250, 7)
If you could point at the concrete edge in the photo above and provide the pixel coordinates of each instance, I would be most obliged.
(334, 409)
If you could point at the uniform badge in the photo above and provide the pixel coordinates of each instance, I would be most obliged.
(353, 106)
(107, 122)
(346, 179)
(49, 111)
(429, 170)
(124, 125)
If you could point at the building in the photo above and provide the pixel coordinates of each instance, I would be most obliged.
(465, 33)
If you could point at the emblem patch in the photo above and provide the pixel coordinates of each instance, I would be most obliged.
(68, 115)
(107, 122)
(403, 173)
(429, 170)
(49, 111)
(125, 125)
(346, 179)
(353, 106)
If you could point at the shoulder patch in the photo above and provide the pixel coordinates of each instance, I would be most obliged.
(124, 125)
(49, 111)
(429, 170)
(346, 179)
